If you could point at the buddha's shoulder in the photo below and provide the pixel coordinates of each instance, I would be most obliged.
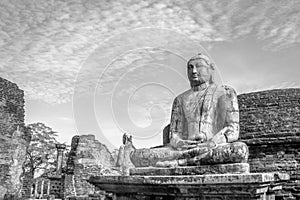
(220, 90)
(184, 94)
(226, 90)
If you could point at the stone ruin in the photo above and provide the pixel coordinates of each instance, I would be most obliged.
(48, 184)
(87, 157)
(269, 125)
(206, 156)
(14, 139)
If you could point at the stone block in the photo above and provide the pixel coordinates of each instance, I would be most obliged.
(236, 168)
(217, 186)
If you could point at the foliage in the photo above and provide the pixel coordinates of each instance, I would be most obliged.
(41, 153)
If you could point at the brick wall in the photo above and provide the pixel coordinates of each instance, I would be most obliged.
(14, 139)
(270, 125)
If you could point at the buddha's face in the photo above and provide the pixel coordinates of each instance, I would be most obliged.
(199, 72)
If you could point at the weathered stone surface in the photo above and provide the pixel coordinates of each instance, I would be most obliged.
(270, 116)
(236, 168)
(221, 186)
(11, 109)
(166, 135)
(87, 157)
(85, 149)
(269, 122)
(235, 152)
(14, 139)
(193, 179)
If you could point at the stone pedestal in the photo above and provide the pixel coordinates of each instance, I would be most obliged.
(198, 187)
(235, 168)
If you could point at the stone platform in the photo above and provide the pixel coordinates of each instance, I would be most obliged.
(197, 187)
(235, 168)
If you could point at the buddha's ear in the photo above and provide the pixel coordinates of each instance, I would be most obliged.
(212, 66)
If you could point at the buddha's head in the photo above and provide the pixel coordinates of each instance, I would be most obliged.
(200, 70)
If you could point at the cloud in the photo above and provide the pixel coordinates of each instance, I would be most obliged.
(65, 119)
(45, 43)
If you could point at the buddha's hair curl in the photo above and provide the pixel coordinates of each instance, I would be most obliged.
(203, 57)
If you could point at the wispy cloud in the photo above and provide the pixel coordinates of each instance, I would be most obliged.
(43, 43)
(65, 119)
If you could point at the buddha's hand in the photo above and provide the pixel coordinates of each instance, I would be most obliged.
(201, 138)
(186, 144)
(219, 138)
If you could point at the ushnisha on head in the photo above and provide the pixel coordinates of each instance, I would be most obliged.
(200, 70)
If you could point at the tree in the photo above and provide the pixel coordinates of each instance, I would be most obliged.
(41, 153)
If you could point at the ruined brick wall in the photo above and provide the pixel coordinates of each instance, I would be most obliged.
(88, 157)
(11, 108)
(270, 125)
(14, 139)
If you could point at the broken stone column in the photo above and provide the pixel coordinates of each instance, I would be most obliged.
(60, 157)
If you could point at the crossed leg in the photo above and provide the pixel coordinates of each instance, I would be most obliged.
(236, 152)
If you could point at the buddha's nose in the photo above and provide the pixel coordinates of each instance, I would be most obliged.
(194, 70)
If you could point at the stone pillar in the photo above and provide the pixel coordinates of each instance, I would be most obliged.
(36, 189)
(31, 191)
(42, 188)
(60, 155)
(48, 188)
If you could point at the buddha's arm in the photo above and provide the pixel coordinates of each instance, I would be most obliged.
(232, 116)
(176, 128)
(176, 125)
(230, 132)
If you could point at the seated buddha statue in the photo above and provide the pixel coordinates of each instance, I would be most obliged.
(204, 126)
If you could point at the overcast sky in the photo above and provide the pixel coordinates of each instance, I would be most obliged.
(108, 67)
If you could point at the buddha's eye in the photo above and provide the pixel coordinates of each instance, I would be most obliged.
(201, 66)
(190, 67)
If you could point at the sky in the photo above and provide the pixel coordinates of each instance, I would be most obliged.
(109, 67)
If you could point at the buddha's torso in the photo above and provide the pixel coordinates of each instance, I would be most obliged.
(192, 103)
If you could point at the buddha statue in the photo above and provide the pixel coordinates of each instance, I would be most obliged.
(123, 159)
(204, 126)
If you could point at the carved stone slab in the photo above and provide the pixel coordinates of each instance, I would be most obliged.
(236, 168)
(201, 187)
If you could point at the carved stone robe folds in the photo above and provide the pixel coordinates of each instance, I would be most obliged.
(214, 111)
(200, 116)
